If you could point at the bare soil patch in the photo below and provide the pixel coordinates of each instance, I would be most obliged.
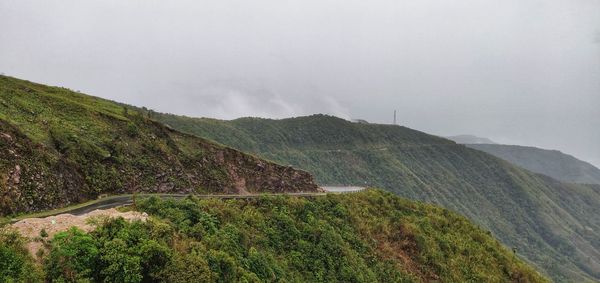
(31, 228)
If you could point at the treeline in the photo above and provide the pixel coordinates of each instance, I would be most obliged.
(370, 236)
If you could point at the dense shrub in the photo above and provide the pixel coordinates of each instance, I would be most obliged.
(73, 256)
(537, 216)
(365, 237)
(16, 265)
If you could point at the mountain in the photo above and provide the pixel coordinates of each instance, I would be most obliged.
(370, 236)
(470, 139)
(554, 225)
(552, 163)
(59, 147)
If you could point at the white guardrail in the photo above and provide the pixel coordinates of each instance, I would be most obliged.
(342, 189)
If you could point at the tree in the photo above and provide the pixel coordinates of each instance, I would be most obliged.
(118, 264)
(73, 256)
(190, 267)
(16, 265)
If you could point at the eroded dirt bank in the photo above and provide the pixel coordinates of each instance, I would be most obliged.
(31, 228)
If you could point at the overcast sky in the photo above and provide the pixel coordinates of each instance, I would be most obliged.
(516, 71)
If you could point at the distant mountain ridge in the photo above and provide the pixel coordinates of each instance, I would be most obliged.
(552, 163)
(554, 225)
(470, 139)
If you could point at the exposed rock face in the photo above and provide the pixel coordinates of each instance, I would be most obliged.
(250, 174)
(59, 147)
(16, 175)
(39, 178)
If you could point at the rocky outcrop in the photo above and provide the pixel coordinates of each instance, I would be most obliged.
(59, 147)
(37, 177)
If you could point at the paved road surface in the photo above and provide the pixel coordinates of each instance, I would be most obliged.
(343, 189)
(115, 201)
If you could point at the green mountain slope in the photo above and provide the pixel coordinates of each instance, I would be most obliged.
(470, 139)
(554, 225)
(59, 147)
(552, 163)
(371, 236)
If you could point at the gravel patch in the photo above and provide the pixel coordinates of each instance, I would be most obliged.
(31, 228)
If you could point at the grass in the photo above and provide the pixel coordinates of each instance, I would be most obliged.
(537, 216)
(59, 147)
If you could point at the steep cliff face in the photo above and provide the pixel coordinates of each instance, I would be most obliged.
(58, 147)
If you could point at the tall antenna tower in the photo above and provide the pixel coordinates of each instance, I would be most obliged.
(394, 117)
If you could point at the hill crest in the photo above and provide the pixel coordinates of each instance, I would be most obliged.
(553, 163)
(59, 147)
(554, 225)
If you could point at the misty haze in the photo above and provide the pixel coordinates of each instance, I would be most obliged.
(271, 139)
(519, 72)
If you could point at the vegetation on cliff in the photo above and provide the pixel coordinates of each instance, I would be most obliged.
(552, 224)
(371, 236)
(16, 264)
(551, 163)
(59, 147)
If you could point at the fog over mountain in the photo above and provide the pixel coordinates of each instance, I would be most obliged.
(516, 71)
(470, 139)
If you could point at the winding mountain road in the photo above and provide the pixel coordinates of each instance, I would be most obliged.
(121, 200)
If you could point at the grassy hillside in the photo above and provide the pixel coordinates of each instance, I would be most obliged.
(470, 139)
(371, 236)
(552, 163)
(59, 147)
(554, 225)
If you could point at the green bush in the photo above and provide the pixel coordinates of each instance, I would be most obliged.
(118, 264)
(188, 267)
(73, 256)
(16, 265)
(524, 210)
(370, 236)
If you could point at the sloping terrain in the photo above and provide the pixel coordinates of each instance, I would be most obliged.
(552, 163)
(59, 147)
(554, 225)
(470, 139)
(370, 236)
